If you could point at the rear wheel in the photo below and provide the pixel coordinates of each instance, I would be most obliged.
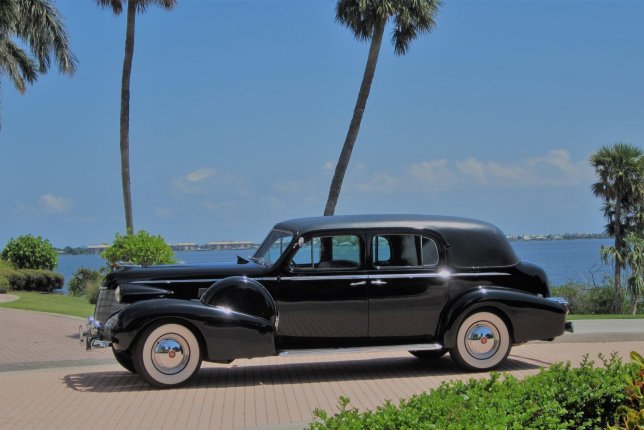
(482, 342)
(429, 354)
(125, 359)
(167, 355)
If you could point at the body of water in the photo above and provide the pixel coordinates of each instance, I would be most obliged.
(564, 260)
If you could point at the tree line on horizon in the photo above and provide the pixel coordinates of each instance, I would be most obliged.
(38, 27)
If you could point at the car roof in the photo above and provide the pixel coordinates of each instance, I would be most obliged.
(472, 243)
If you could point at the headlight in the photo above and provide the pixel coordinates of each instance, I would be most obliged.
(117, 294)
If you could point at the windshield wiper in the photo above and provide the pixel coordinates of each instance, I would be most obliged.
(259, 260)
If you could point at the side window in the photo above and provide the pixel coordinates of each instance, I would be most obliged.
(404, 250)
(328, 252)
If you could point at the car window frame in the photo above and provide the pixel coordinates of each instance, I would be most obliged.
(436, 238)
(328, 233)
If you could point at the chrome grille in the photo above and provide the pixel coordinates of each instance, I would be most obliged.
(106, 305)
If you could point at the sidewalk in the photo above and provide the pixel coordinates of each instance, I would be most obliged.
(54, 384)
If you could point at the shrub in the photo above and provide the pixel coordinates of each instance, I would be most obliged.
(558, 397)
(631, 414)
(29, 252)
(32, 280)
(588, 300)
(5, 285)
(77, 285)
(91, 290)
(140, 248)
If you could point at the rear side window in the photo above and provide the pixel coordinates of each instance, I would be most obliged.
(404, 250)
(328, 252)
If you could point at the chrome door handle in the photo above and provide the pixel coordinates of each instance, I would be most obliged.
(378, 282)
(355, 284)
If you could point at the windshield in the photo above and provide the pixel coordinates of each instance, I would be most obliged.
(275, 244)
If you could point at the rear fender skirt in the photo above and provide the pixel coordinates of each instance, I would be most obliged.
(529, 317)
(226, 334)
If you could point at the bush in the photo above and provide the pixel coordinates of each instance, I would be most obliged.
(91, 290)
(29, 252)
(32, 280)
(631, 414)
(5, 285)
(588, 300)
(140, 248)
(77, 285)
(558, 397)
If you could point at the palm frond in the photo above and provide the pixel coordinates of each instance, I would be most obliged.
(41, 27)
(17, 65)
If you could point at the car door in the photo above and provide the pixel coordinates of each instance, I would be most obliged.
(323, 293)
(406, 290)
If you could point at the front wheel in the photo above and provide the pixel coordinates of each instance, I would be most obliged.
(482, 342)
(167, 355)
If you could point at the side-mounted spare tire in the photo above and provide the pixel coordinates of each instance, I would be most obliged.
(241, 294)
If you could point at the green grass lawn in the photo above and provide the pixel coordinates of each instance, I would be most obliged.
(53, 303)
(605, 317)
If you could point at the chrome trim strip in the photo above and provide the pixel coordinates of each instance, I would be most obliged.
(339, 277)
(171, 281)
(353, 350)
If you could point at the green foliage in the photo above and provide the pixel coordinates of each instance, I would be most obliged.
(631, 414)
(558, 397)
(5, 285)
(91, 290)
(29, 252)
(77, 285)
(32, 280)
(588, 300)
(140, 248)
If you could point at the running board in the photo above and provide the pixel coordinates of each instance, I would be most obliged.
(357, 350)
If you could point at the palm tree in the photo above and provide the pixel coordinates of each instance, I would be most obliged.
(620, 169)
(367, 20)
(635, 259)
(34, 25)
(133, 6)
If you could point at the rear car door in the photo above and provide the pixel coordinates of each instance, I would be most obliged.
(407, 290)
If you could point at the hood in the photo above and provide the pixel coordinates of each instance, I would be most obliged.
(177, 272)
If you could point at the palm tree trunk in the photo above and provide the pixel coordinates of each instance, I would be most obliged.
(354, 127)
(125, 115)
(619, 248)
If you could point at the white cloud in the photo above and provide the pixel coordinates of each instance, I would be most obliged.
(200, 174)
(329, 165)
(55, 204)
(556, 168)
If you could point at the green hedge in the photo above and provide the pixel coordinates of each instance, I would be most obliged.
(586, 300)
(557, 397)
(31, 279)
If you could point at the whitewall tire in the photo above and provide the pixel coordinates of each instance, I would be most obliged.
(482, 342)
(167, 355)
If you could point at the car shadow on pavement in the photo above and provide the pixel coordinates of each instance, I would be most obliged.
(247, 374)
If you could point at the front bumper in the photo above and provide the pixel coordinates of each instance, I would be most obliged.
(92, 335)
(569, 326)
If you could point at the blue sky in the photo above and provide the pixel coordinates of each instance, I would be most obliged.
(239, 110)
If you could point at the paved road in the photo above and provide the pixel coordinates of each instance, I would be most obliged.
(51, 383)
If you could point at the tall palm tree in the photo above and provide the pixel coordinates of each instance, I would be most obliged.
(367, 20)
(620, 169)
(31, 33)
(133, 6)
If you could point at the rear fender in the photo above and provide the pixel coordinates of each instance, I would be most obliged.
(529, 317)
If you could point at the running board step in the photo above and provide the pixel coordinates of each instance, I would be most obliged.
(357, 350)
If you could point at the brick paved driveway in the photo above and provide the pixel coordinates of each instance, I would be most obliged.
(50, 382)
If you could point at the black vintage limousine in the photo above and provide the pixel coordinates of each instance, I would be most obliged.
(424, 284)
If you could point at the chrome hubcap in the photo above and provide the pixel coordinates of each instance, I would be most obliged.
(170, 354)
(482, 340)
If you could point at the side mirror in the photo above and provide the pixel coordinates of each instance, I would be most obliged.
(300, 242)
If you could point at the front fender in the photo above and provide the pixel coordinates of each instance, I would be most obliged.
(224, 333)
(529, 317)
